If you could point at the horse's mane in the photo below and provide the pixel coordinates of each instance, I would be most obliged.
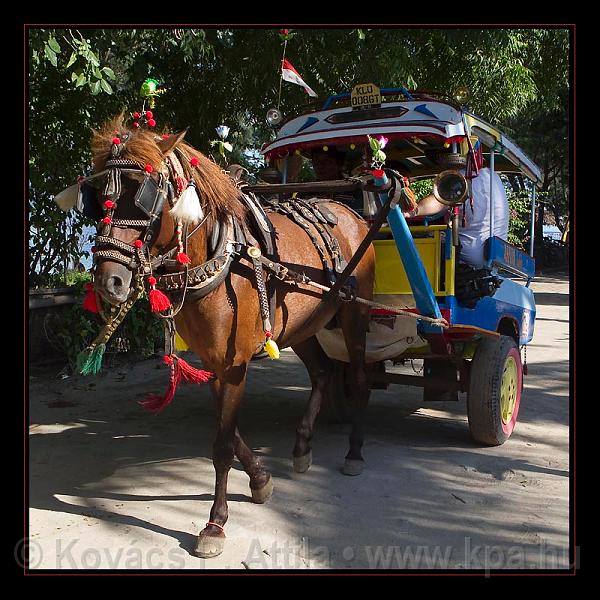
(215, 187)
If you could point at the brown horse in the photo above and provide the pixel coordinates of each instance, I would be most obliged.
(224, 328)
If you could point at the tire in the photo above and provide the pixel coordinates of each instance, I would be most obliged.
(494, 393)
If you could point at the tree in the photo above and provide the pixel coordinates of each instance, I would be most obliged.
(80, 77)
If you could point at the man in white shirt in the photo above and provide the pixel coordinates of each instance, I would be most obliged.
(477, 219)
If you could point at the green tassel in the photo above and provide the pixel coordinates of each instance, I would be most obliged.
(89, 360)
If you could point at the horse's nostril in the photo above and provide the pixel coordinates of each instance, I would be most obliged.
(115, 286)
(115, 282)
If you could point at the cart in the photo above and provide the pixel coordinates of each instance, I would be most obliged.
(490, 316)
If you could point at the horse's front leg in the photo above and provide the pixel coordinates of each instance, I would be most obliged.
(261, 482)
(231, 390)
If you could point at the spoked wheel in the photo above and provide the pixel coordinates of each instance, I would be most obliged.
(495, 386)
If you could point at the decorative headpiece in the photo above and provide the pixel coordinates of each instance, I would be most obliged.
(186, 210)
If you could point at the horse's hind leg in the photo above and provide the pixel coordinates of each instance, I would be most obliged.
(320, 369)
(231, 390)
(261, 483)
(354, 319)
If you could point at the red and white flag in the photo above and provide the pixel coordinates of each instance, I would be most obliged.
(288, 73)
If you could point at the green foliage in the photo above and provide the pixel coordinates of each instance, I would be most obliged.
(79, 78)
(422, 188)
(519, 205)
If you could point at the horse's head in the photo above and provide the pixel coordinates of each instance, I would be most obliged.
(138, 178)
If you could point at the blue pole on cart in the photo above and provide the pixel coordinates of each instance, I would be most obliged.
(415, 271)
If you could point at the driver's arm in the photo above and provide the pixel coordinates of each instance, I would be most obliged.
(426, 207)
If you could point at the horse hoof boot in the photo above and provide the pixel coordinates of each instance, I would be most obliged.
(353, 467)
(209, 544)
(264, 493)
(302, 463)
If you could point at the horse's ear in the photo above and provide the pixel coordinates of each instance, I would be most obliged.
(175, 138)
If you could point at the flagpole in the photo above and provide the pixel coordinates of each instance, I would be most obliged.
(281, 73)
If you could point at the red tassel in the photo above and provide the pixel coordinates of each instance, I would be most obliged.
(180, 371)
(155, 403)
(89, 300)
(158, 300)
(191, 374)
(183, 258)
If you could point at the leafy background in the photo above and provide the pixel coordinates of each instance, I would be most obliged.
(78, 77)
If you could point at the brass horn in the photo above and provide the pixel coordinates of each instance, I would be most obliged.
(450, 188)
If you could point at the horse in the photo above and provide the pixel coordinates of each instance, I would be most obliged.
(224, 328)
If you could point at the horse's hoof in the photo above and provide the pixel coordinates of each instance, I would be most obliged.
(302, 463)
(264, 493)
(209, 545)
(353, 467)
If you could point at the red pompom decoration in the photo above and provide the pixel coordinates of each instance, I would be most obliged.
(93, 249)
(136, 115)
(165, 136)
(151, 280)
(89, 300)
(148, 168)
(107, 220)
(183, 258)
(158, 301)
(284, 31)
(138, 243)
(194, 161)
(136, 124)
(149, 114)
(379, 173)
(109, 204)
(151, 123)
(116, 140)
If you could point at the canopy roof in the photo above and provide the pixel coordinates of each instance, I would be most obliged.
(413, 122)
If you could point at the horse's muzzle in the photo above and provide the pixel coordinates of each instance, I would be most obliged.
(113, 284)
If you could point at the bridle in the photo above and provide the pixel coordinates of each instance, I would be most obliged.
(153, 189)
(149, 199)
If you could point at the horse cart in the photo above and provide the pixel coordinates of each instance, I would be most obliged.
(475, 322)
(235, 268)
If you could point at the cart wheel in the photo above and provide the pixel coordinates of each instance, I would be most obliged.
(495, 386)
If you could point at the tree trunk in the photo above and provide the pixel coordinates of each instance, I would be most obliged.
(539, 223)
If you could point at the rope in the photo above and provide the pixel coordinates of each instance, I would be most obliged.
(405, 313)
(289, 276)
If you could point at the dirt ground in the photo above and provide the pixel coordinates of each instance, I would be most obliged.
(111, 486)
